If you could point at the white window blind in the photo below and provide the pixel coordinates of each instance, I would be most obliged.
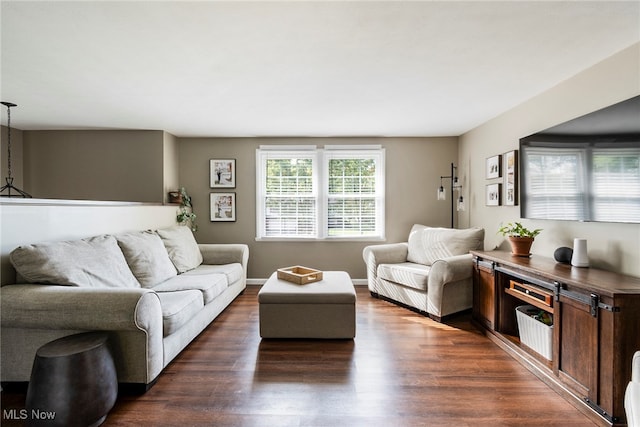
(563, 193)
(354, 193)
(288, 193)
(560, 194)
(616, 184)
(334, 193)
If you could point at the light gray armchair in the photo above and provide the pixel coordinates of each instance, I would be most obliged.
(632, 394)
(431, 273)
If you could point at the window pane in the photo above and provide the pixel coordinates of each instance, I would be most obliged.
(288, 194)
(616, 185)
(351, 202)
(559, 191)
(290, 217)
(351, 217)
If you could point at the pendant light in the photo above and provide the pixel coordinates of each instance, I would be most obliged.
(8, 187)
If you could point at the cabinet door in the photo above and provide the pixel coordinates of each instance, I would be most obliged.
(578, 361)
(484, 295)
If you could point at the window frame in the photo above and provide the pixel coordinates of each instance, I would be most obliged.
(321, 177)
(591, 189)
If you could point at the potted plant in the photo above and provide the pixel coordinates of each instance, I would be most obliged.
(185, 212)
(520, 237)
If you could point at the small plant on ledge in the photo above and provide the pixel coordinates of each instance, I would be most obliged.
(520, 237)
(185, 212)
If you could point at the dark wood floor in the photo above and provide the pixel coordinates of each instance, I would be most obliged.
(402, 369)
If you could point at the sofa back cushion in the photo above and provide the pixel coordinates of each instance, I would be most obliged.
(147, 257)
(428, 244)
(93, 262)
(182, 247)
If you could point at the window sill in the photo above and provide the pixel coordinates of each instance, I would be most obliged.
(327, 239)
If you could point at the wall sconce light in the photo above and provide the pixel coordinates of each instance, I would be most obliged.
(455, 185)
(9, 179)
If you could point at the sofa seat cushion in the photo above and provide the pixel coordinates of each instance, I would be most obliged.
(147, 257)
(182, 247)
(178, 307)
(93, 262)
(210, 285)
(406, 273)
(429, 244)
(233, 272)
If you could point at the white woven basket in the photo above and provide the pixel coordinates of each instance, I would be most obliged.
(533, 333)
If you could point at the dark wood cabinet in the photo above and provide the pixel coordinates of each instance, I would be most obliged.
(596, 325)
(484, 294)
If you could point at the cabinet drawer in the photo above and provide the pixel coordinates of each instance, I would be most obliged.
(535, 295)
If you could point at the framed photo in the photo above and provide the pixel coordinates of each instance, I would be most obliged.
(223, 173)
(493, 195)
(511, 178)
(223, 206)
(494, 167)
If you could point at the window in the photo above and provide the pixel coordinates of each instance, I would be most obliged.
(616, 184)
(589, 182)
(309, 193)
(556, 183)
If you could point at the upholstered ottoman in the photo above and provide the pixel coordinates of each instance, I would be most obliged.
(323, 309)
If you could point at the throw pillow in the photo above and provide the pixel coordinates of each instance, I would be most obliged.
(147, 257)
(93, 262)
(182, 247)
(429, 244)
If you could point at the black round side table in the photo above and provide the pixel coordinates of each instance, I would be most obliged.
(73, 382)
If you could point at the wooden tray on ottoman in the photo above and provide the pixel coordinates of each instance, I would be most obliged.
(299, 275)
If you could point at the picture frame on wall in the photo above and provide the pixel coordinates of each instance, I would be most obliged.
(494, 167)
(511, 178)
(493, 195)
(222, 173)
(223, 206)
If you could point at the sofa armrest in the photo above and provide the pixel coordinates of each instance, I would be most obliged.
(451, 269)
(224, 253)
(390, 253)
(68, 307)
(454, 270)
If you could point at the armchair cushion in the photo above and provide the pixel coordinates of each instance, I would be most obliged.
(407, 273)
(428, 244)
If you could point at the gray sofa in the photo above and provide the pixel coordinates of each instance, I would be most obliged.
(430, 273)
(153, 291)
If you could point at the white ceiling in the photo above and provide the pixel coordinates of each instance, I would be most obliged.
(328, 68)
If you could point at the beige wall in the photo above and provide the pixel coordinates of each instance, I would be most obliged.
(95, 165)
(143, 166)
(170, 164)
(413, 167)
(610, 246)
(16, 158)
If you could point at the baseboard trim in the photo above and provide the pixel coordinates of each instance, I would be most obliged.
(260, 282)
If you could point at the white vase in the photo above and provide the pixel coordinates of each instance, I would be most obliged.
(580, 257)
